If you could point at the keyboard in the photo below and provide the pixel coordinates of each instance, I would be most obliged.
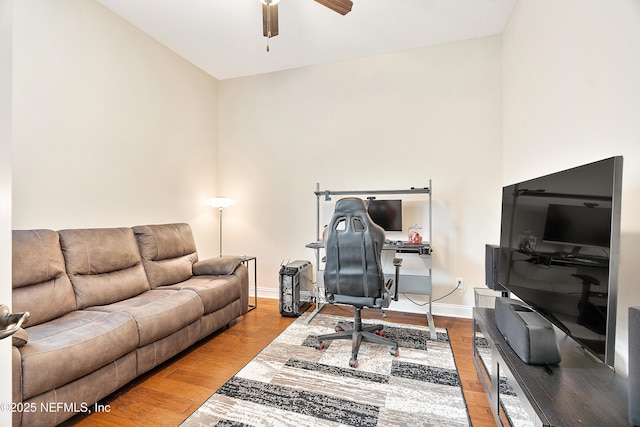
(579, 256)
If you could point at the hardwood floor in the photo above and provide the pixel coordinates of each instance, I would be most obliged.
(167, 395)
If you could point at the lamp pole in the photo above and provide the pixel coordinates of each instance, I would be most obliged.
(220, 234)
(220, 203)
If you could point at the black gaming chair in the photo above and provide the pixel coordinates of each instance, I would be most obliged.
(353, 273)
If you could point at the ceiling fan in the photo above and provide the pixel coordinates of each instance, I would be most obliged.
(270, 14)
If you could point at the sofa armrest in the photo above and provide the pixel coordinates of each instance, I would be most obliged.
(20, 337)
(216, 266)
(16, 383)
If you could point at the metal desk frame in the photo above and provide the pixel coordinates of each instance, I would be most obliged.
(318, 244)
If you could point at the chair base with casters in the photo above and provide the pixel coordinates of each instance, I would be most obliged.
(357, 333)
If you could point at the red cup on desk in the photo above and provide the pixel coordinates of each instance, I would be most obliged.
(415, 238)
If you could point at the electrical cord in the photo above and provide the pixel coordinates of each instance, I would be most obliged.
(414, 302)
(437, 299)
(446, 295)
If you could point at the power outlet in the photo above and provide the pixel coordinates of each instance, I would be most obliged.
(459, 284)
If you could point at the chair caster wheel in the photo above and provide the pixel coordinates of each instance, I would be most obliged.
(394, 352)
(320, 345)
(353, 362)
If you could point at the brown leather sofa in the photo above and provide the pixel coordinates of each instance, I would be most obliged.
(106, 305)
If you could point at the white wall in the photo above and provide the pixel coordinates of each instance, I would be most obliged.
(5, 196)
(384, 122)
(571, 82)
(110, 127)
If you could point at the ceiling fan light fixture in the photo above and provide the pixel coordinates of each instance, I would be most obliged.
(341, 6)
(270, 19)
(270, 14)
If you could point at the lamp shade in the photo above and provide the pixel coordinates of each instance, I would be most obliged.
(220, 202)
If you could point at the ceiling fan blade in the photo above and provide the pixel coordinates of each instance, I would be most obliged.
(341, 6)
(270, 20)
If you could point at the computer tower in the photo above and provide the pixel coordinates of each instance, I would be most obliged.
(296, 288)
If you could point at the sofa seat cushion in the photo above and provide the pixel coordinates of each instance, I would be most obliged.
(158, 312)
(215, 292)
(74, 345)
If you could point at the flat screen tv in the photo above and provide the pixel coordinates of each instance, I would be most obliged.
(559, 250)
(386, 213)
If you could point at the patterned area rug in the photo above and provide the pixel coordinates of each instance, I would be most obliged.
(511, 404)
(291, 383)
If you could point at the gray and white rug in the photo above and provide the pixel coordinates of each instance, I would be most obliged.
(291, 383)
(511, 404)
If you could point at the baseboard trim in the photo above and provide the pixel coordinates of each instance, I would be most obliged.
(439, 309)
(403, 305)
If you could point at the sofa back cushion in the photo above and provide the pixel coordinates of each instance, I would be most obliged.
(103, 264)
(39, 281)
(168, 252)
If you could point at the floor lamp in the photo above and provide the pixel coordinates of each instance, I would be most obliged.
(220, 203)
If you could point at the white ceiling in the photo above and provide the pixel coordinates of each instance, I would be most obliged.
(224, 37)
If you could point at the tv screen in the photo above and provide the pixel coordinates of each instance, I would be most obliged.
(559, 249)
(386, 213)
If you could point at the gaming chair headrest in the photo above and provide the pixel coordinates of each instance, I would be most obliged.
(350, 204)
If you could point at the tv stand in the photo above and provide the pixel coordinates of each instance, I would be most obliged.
(577, 391)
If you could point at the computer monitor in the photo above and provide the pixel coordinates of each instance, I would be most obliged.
(386, 213)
